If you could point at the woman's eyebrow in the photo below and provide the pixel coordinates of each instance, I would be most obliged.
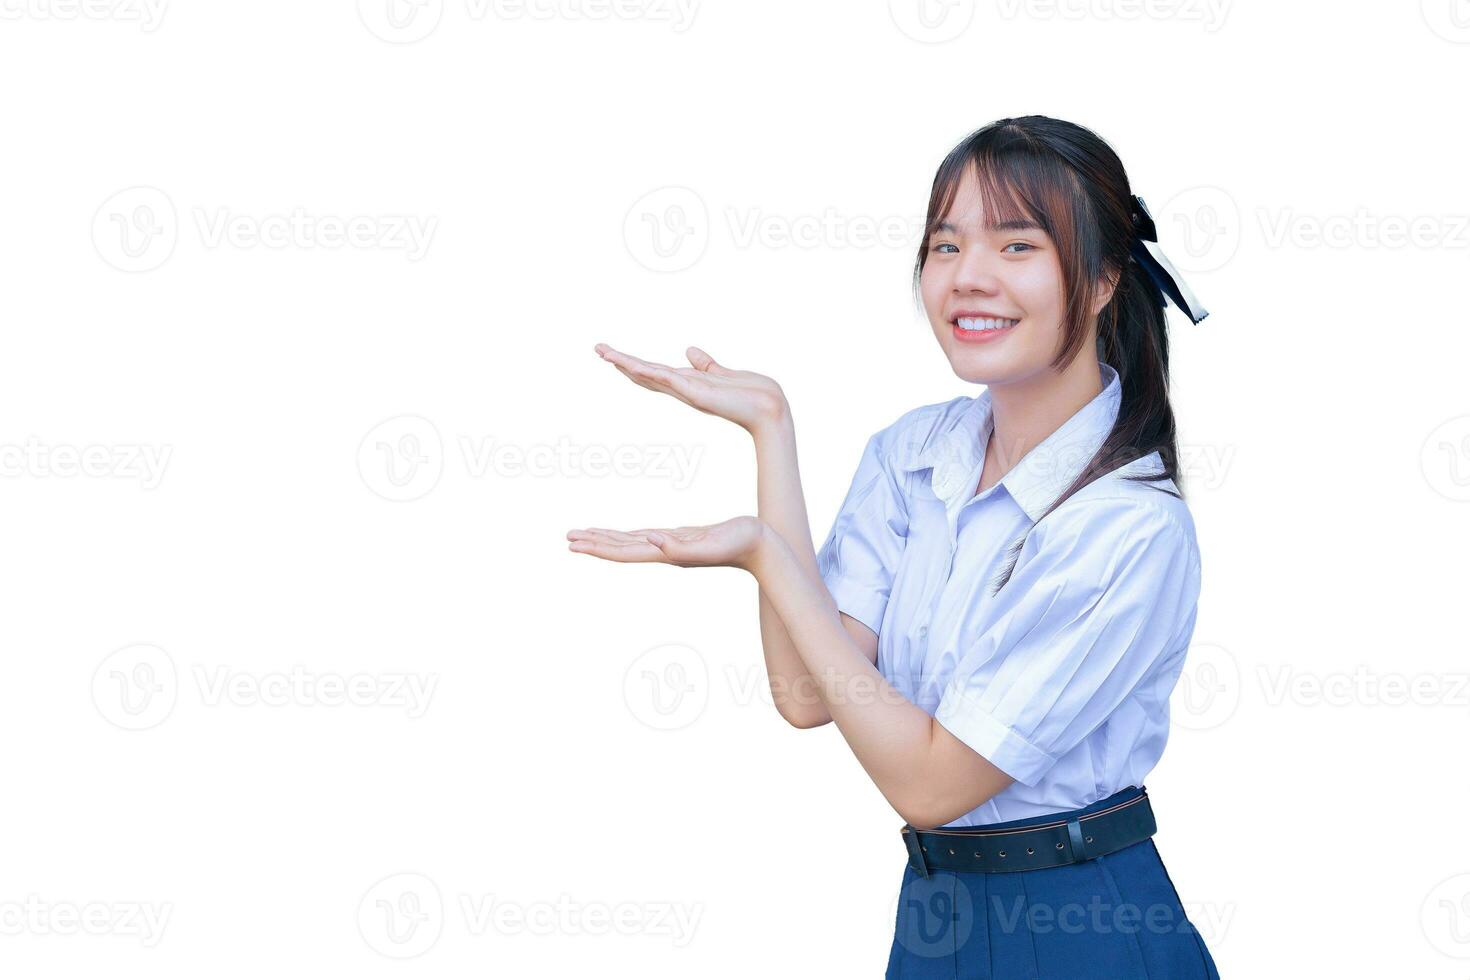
(1020, 224)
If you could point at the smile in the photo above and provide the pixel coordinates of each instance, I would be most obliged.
(980, 329)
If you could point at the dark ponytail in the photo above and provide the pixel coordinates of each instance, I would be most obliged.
(1068, 180)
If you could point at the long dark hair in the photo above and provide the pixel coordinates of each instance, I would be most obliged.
(1068, 180)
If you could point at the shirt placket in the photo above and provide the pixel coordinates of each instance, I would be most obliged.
(955, 483)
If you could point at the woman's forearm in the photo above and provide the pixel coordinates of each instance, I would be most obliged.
(782, 505)
(891, 736)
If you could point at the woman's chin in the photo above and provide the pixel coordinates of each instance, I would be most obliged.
(978, 367)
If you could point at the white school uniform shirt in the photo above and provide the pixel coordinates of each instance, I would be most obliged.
(1062, 679)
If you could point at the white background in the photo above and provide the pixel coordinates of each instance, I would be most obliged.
(1310, 812)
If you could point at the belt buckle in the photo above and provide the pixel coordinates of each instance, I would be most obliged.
(916, 853)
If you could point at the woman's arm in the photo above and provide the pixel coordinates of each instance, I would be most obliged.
(927, 774)
(757, 404)
(782, 505)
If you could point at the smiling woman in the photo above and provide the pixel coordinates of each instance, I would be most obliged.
(1004, 602)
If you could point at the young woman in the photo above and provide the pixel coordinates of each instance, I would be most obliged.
(1004, 602)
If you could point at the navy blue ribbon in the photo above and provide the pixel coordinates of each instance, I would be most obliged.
(1162, 275)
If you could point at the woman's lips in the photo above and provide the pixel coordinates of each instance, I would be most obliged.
(982, 336)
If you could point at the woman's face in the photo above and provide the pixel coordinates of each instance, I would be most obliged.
(975, 276)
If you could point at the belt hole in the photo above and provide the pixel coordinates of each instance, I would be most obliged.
(924, 848)
(1059, 845)
(977, 854)
(1002, 853)
(1030, 850)
(1088, 839)
(951, 852)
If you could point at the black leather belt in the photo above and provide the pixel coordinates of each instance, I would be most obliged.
(1124, 819)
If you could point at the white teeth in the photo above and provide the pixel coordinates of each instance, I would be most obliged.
(973, 323)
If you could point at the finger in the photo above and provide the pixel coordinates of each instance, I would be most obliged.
(637, 550)
(628, 360)
(639, 378)
(610, 353)
(659, 378)
(666, 380)
(675, 382)
(607, 534)
(706, 363)
(675, 550)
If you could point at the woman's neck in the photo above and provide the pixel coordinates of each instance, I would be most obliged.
(1024, 413)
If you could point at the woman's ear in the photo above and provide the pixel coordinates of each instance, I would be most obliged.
(1106, 284)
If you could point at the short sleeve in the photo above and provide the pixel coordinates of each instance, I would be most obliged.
(860, 557)
(1099, 602)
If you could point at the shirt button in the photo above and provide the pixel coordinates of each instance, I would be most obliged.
(923, 631)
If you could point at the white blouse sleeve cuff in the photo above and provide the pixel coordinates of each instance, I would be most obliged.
(996, 743)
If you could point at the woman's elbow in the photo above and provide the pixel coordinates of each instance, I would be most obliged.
(798, 718)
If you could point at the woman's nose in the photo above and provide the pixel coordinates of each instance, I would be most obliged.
(977, 271)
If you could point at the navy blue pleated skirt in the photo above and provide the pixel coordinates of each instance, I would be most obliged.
(1116, 917)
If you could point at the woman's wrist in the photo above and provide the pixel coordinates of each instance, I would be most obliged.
(770, 548)
(774, 424)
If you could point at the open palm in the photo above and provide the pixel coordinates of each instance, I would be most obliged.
(746, 398)
(731, 543)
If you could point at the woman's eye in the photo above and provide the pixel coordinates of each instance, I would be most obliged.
(1022, 244)
(942, 246)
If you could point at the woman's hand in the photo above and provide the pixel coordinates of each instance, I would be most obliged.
(735, 543)
(752, 401)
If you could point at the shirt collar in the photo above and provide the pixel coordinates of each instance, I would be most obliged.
(1042, 474)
